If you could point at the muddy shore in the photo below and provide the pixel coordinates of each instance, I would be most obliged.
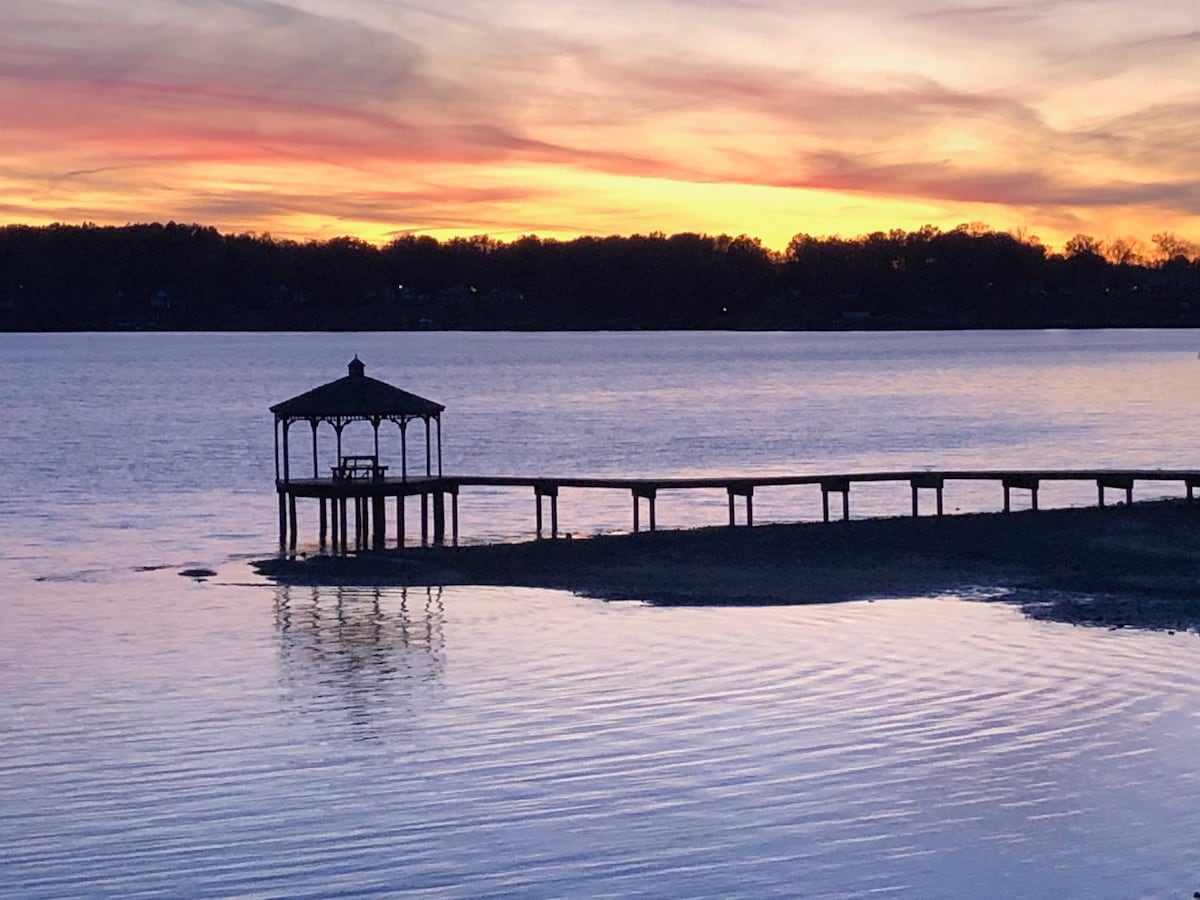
(1126, 565)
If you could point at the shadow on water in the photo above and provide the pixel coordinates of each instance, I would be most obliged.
(368, 655)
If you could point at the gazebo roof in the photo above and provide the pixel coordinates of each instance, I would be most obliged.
(355, 395)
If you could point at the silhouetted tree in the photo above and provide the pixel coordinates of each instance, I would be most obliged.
(189, 276)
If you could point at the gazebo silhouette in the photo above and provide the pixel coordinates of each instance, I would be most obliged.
(363, 478)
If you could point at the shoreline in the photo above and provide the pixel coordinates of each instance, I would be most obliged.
(1120, 565)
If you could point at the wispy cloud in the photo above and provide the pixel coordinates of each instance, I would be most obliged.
(1042, 109)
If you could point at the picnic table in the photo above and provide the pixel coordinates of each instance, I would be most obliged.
(359, 468)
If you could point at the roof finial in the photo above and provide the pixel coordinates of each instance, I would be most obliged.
(356, 367)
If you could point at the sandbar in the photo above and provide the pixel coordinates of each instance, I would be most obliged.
(1136, 565)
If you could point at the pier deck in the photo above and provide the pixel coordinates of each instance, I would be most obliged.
(369, 495)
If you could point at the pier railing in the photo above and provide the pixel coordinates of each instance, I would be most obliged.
(368, 496)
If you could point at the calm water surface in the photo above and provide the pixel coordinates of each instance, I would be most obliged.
(162, 736)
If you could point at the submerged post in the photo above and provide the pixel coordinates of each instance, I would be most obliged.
(282, 519)
(439, 517)
(344, 507)
(379, 514)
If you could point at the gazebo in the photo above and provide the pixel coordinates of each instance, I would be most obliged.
(361, 477)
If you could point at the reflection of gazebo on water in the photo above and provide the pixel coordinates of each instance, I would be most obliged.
(377, 652)
(362, 478)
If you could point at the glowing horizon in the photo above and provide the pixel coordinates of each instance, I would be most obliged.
(315, 119)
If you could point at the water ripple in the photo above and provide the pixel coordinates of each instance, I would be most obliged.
(526, 743)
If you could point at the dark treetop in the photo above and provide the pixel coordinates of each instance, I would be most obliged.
(187, 277)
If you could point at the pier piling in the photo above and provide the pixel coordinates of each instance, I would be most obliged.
(839, 485)
(1117, 482)
(541, 489)
(1024, 482)
(649, 494)
(741, 489)
(930, 481)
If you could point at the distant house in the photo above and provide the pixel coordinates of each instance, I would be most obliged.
(164, 302)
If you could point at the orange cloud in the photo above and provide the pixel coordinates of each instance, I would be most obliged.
(765, 118)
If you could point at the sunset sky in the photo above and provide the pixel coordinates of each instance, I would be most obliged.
(319, 118)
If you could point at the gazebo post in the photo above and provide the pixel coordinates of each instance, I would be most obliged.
(277, 448)
(316, 471)
(428, 453)
(403, 449)
(286, 424)
(438, 419)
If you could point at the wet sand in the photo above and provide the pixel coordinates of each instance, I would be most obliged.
(1124, 565)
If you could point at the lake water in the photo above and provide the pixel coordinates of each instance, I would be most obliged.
(171, 737)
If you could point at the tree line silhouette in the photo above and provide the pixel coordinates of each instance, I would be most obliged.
(191, 277)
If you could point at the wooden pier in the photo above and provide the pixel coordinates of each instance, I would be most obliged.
(357, 509)
(353, 498)
(744, 487)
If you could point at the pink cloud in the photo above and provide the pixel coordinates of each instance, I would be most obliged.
(97, 99)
